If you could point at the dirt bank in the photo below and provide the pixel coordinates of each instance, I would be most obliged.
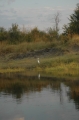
(40, 53)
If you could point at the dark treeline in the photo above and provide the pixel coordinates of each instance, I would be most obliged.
(15, 35)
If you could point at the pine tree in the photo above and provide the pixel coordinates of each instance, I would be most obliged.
(73, 26)
(74, 21)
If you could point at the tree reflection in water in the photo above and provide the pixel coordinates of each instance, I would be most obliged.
(18, 84)
(73, 92)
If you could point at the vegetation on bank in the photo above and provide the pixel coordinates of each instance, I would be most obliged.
(58, 66)
(14, 42)
(66, 66)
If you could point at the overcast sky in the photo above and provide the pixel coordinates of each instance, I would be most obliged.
(35, 13)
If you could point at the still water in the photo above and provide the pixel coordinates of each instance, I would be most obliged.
(33, 98)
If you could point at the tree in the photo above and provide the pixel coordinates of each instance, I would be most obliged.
(73, 26)
(3, 34)
(53, 34)
(2, 29)
(14, 33)
(56, 20)
(74, 21)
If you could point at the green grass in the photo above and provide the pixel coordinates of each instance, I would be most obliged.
(67, 65)
(59, 66)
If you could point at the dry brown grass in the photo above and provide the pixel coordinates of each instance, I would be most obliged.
(23, 47)
(75, 39)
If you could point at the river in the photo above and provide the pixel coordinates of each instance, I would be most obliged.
(25, 97)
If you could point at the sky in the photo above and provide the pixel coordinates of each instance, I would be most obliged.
(35, 13)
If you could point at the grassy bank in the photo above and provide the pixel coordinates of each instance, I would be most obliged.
(64, 60)
(61, 66)
(58, 66)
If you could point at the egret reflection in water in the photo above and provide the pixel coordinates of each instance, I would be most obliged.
(39, 76)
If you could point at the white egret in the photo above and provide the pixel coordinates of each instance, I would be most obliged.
(38, 61)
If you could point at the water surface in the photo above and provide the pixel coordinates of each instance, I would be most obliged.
(38, 98)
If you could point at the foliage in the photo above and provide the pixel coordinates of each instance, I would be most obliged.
(74, 21)
(73, 26)
(53, 34)
(3, 34)
(14, 33)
